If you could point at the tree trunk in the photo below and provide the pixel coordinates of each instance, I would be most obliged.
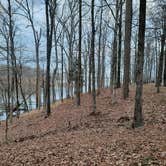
(119, 44)
(135, 54)
(62, 68)
(50, 16)
(128, 29)
(78, 88)
(8, 83)
(12, 52)
(92, 56)
(114, 59)
(138, 117)
(85, 70)
(90, 71)
(99, 51)
(165, 69)
(37, 78)
(164, 32)
(160, 67)
(103, 60)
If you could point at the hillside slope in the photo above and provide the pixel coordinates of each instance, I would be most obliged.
(72, 136)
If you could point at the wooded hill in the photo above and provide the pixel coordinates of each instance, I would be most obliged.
(73, 136)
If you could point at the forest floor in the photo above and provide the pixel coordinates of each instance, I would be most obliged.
(72, 136)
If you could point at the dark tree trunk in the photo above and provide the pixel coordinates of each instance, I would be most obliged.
(9, 113)
(103, 59)
(78, 88)
(90, 69)
(37, 78)
(85, 55)
(160, 67)
(165, 69)
(128, 23)
(119, 45)
(50, 16)
(114, 60)
(12, 52)
(138, 117)
(56, 67)
(164, 31)
(92, 56)
(62, 68)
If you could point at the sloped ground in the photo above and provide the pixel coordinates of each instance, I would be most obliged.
(71, 136)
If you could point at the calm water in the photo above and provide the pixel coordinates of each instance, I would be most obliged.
(32, 104)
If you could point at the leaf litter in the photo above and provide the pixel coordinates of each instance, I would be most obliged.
(73, 136)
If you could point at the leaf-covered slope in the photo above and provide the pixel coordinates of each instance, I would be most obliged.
(71, 136)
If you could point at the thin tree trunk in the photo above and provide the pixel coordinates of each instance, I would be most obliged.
(114, 60)
(62, 68)
(104, 40)
(165, 69)
(78, 88)
(48, 108)
(90, 70)
(99, 51)
(85, 71)
(8, 83)
(92, 56)
(37, 77)
(119, 45)
(164, 32)
(13, 57)
(55, 69)
(160, 67)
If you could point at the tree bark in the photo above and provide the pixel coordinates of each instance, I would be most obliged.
(114, 60)
(160, 67)
(164, 32)
(138, 117)
(92, 56)
(99, 51)
(104, 40)
(50, 16)
(128, 29)
(90, 69)
(12, 53)
(62, 69)
(79, 56)
(118, 85)
(165, 69)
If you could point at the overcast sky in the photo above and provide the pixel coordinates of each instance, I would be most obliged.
(24, 33)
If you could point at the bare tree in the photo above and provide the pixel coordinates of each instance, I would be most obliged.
(92, 55)
(99, 48)
(37, 37)
(164, 26)
(12, 53)
(138, 117)
(119, 44)
(128, 23)
(78, 90)
(50, 8)
(114, 58)
(160, 67)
